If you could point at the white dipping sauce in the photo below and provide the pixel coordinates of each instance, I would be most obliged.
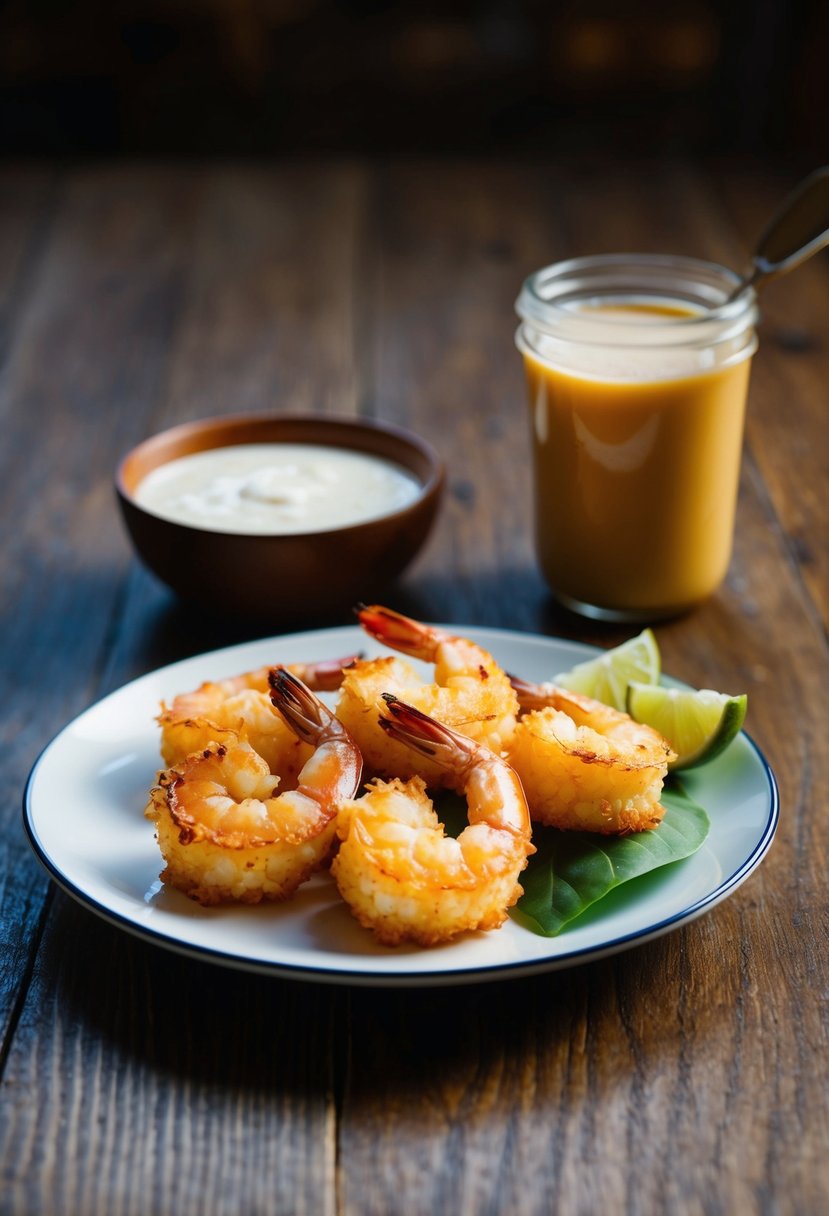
(273, 488)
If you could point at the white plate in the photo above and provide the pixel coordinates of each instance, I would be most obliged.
(83, 811)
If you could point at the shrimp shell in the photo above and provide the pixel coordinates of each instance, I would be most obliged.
(470, 694)
(585, 766)
(225, 833)
(402, 877)
(241, 704)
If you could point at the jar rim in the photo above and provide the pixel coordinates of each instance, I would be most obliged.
(548, 296)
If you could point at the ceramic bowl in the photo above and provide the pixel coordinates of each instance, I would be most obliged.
(293, 579)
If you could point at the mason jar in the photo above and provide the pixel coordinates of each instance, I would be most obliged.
(637, 369)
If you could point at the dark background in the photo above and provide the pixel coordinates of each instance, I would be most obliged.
(266, 77)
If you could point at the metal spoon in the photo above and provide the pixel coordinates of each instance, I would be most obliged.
(799, 229)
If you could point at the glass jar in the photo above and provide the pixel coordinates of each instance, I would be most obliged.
(637, 369)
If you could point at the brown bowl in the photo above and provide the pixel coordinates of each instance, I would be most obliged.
(282, 579)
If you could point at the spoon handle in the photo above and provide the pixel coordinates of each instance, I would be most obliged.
(798, 229)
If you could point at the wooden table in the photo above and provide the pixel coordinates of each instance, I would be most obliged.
(686, 1075)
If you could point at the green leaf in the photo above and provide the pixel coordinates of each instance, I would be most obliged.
(571, 871)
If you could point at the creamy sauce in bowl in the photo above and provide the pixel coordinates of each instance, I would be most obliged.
(276, 488)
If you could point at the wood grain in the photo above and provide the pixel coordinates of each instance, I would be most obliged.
(685, 1075)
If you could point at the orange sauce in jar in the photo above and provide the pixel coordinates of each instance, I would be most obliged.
(637, 448)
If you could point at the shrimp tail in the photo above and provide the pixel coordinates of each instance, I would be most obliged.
(395, 630)
(304, 713)
(422, 733)
(325, 675)
(531, 696)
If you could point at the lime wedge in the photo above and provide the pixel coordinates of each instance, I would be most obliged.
(698, 724)
(606, 678)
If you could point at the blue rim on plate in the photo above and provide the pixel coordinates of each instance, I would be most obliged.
(98, 847)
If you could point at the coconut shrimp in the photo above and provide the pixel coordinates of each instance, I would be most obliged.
(470, 694)
(585, 766)
(225, 833)
(400, 874)
(242, 705)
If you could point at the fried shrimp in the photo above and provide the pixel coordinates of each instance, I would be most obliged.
(470, 694)
(243, 706)
(400, 874)
(226, 835)
(585, 766)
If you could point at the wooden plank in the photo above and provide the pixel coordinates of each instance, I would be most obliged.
(27, 200)
(89, 328)
(272, 301)
(787, 426)
(144, 1082)
(106, 270)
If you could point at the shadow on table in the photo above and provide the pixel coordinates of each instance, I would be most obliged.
(226, 1031)
(515, 599)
